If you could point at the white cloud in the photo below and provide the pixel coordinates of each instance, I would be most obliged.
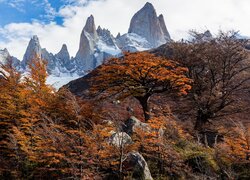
(180, 16)
(17, 4)
(50, 11)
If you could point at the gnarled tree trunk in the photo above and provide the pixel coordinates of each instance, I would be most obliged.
(201, 119)
(145, 106)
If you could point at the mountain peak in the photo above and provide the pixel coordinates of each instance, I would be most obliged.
(33, 50)
(87, 44)
(35, 38)
(118, 35)
(90, 26)
(64, 48)
(63, 56)
(64, 51)
(149, 6)
(99, 28)
(148, 25)
(163, 27)
(5, 49)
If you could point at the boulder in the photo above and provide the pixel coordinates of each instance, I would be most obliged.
(136, 163)
(133, 123)
(120, 138)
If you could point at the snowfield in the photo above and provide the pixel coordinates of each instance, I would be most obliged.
(63, 79)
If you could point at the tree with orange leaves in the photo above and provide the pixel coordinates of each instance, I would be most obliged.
(11, 111)
(140, 75)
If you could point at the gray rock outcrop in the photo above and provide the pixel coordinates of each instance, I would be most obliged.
(206, 36)
(136, 162)
(133, 123)
(120, 138)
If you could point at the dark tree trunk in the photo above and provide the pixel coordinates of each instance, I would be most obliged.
(145, 106)
(201, 120)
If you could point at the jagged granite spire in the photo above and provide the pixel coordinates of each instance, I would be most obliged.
(85, 54)
(146, 24)
(63, 54)
(33, 50)
(106, 36)
(164, 28)
(64, 61)
(90, 27)
(118, 35)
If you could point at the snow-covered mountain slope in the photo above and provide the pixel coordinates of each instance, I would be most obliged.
(59, 81)
(133, 42)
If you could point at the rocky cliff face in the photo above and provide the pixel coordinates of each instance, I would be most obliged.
(50, 58)
(85, 55)
(33, 51)
(95, 46)
(145, 23)
(106, 36)
(164, 28)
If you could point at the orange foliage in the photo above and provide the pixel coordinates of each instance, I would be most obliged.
(157, 142)
(237, 142)
(140, 75)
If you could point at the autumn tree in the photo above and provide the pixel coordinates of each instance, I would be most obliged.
(37, 96)
(237, 141)
(219, 70)
(23, 100)
(11, 111)
(140, 75)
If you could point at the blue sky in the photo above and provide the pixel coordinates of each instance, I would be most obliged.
(61, 21)
(18, 11)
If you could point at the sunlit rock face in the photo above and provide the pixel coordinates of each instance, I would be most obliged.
(146, 24)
